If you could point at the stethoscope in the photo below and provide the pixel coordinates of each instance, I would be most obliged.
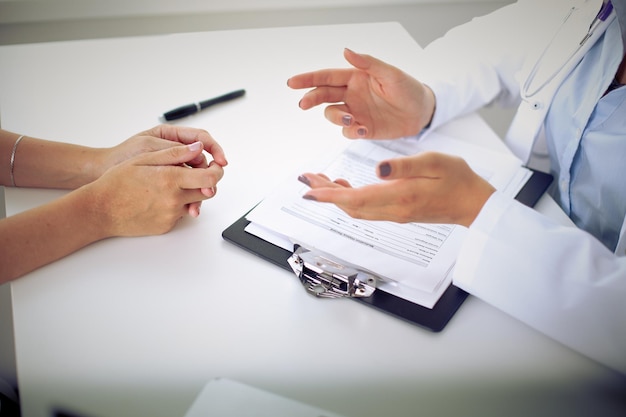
(526, 91)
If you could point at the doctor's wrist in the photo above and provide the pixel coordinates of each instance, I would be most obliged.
(474, 204)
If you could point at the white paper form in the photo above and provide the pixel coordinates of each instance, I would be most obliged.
(415, 258)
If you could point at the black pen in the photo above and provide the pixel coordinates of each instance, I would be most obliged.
(192, 108)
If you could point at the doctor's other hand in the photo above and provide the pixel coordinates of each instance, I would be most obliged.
(373, 100)
(150, 192)
(429, 187)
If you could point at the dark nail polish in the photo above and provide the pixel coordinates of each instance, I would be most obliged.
(304, 180)
(346, 120)
(309, 197)
(384, 169)
(361, 131)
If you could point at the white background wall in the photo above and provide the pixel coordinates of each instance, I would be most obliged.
(12, 11)
(49, 20)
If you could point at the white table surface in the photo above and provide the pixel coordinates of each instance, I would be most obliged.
(137, 326)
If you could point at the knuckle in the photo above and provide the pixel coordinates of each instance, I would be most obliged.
(203, 133)
(172, 206)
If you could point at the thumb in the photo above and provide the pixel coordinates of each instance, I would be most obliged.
(365, 62)
(174, 155)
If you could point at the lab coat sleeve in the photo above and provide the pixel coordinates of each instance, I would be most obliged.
(557, 279)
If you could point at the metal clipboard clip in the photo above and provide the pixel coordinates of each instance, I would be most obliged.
(326, 278)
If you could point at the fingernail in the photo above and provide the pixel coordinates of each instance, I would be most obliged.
(304, 180)
(300, 104)
(346, 120)
(309, 197)
(194, 146)
(361, 131)
(384, 169)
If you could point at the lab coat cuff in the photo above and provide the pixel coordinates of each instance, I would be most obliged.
(471, 254)
(443, 114)
(431, 125)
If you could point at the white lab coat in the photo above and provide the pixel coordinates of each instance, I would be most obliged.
(559, 280)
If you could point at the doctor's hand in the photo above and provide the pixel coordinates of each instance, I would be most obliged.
(428, 187)
(164, 137)
(373, 100)
(148, 194)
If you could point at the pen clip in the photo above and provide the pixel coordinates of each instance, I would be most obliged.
(603, 14)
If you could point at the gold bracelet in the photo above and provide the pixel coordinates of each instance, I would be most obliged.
(12, 164)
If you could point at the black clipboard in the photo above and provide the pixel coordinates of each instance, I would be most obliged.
(434, 319)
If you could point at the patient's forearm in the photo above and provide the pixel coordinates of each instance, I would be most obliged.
(46, 164)
(39, 236)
